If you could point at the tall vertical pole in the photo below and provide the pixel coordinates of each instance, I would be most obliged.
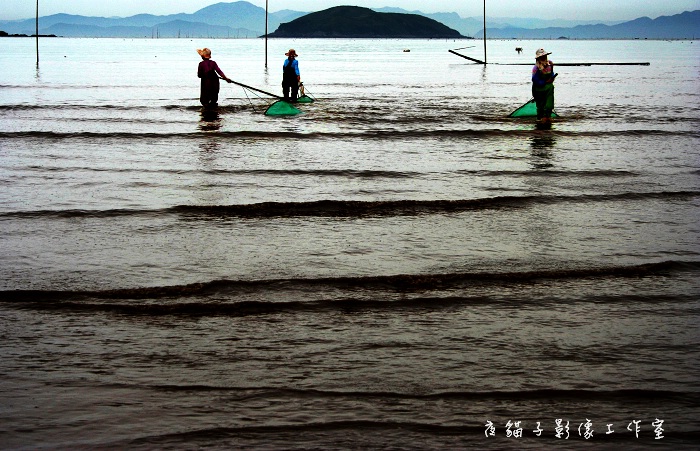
(484, 31)
(266, 1)
(37, 32)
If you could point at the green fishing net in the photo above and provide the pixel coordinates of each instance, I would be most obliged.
(528, 110)
(281, 108)
(305, 99)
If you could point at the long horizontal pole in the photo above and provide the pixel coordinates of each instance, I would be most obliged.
(558, 64)
(466, 57)
(255, 89)
(576, 64)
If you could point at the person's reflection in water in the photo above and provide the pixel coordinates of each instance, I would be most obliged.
(210, 124)
(542, 145)
(210, 121)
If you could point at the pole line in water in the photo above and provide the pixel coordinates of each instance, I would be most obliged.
(37, 33)
(484, 31)
(254, 89)
(466, 57)
(558, 64)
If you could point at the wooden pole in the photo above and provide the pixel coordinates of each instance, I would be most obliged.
(266, 1)
(470, 59)
(37, 32)
(255, 89)
(484, 31)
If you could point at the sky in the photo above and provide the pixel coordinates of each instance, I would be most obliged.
(604, 10)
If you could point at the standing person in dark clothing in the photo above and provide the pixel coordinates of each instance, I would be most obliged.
(543, 85)
(290, 76)
(209, 72)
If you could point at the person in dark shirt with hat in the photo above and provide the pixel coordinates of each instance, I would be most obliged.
(209, 72)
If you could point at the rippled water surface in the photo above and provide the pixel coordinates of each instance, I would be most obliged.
(396, 267)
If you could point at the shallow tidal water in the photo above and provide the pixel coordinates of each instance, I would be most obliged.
(400, 266)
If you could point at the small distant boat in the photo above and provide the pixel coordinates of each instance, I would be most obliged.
(406, 50)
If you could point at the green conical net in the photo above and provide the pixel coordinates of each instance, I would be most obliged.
(305, 99)
(281, 108)
(528, 110)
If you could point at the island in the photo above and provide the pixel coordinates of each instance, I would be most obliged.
(4, 34)
(358, 22)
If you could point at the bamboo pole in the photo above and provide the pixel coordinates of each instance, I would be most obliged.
(37, 32)
(484, 31)
(466, 57)
(254, 89)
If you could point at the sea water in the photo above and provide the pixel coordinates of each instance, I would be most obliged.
(401, 266)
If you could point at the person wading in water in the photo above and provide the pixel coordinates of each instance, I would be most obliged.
(543, 86)
(290, 76)
(209, 72)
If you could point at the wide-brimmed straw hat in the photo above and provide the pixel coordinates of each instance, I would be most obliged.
(291, 52)
(541, 52)
(205, 52)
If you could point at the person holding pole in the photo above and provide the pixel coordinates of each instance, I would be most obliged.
(209, 72)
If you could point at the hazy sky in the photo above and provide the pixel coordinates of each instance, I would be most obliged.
(546, 9)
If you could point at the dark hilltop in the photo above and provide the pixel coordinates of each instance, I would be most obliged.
(357, 22)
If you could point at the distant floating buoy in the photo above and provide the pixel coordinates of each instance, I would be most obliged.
(406, 50)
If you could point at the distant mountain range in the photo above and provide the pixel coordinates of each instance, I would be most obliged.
(679, 26)
(474, 26)
(245, 20)
(221, 20)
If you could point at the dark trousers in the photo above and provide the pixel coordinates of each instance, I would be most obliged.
(293, 86)
(209, 92)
